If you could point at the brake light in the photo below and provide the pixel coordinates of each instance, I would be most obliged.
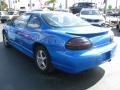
(78, 43)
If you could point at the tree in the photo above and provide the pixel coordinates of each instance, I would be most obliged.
(52, 2)
(3, 5)
(110, 7)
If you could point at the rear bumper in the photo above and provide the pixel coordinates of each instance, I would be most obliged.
(77, 61)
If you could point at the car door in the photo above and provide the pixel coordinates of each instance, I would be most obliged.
(31, 33)
(20, 28)
(10, 30)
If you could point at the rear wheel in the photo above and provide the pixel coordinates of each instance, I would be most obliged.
(5, 40)
(43, 61)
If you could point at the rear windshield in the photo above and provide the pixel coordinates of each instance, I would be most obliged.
(63, 20)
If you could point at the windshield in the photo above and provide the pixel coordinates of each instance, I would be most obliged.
(63, 20)
(90, 12)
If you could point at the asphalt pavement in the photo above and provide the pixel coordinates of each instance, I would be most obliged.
(19, 72)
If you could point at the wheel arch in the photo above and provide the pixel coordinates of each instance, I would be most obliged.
(50, 67)
(35, 45)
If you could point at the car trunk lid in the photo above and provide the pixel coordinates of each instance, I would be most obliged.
(97, 35)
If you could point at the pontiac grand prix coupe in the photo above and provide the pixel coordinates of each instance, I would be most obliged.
(59, 40)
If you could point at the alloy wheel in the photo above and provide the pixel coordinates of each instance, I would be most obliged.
(41, 59)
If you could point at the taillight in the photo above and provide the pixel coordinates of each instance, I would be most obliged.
(78, 43)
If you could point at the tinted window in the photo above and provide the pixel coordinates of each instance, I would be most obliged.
(34, 22)
(22, 20)
(81, 5)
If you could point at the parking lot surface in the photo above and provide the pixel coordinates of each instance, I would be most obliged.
(18, 72)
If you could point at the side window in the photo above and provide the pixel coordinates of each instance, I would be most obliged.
(34, 22)
(22, 21)
(81, 4)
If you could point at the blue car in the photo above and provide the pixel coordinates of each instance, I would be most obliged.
(59, 40)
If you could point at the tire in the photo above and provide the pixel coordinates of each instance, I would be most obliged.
(42, 60)
(5, 40)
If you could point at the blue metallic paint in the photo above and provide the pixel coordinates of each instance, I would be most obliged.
(54, 39)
